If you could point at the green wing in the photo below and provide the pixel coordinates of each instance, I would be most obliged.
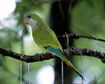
(46, 37)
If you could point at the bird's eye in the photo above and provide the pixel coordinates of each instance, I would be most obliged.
(28, 16)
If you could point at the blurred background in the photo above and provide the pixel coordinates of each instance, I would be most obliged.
(87, 17)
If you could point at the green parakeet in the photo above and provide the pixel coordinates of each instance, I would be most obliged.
(46, 38)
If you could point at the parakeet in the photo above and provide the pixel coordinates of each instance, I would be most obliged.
(46, 39)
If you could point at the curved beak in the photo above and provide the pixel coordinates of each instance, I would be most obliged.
(25, 21)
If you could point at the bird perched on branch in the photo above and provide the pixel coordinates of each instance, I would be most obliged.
(46, 39)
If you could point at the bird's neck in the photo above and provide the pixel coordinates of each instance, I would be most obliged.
(34, 27)
(33, 24)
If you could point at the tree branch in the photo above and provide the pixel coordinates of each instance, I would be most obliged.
(89, 52)
(46, 56)
(26, 58)
(76, 36)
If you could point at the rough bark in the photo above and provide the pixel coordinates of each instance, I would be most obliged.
(47, 56)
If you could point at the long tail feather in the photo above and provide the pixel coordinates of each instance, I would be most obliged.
(72, 67)
(60, 54)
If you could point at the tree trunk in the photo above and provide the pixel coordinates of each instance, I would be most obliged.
(60, 23)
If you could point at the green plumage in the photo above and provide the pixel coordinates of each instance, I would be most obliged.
(45, 37)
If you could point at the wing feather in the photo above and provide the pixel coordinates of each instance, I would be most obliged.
(46, 37)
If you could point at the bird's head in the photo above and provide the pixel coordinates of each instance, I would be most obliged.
(31, 19)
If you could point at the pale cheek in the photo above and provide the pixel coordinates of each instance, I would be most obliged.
(33, 24)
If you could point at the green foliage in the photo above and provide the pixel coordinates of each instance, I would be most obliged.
(11, 38)
(88, 17)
